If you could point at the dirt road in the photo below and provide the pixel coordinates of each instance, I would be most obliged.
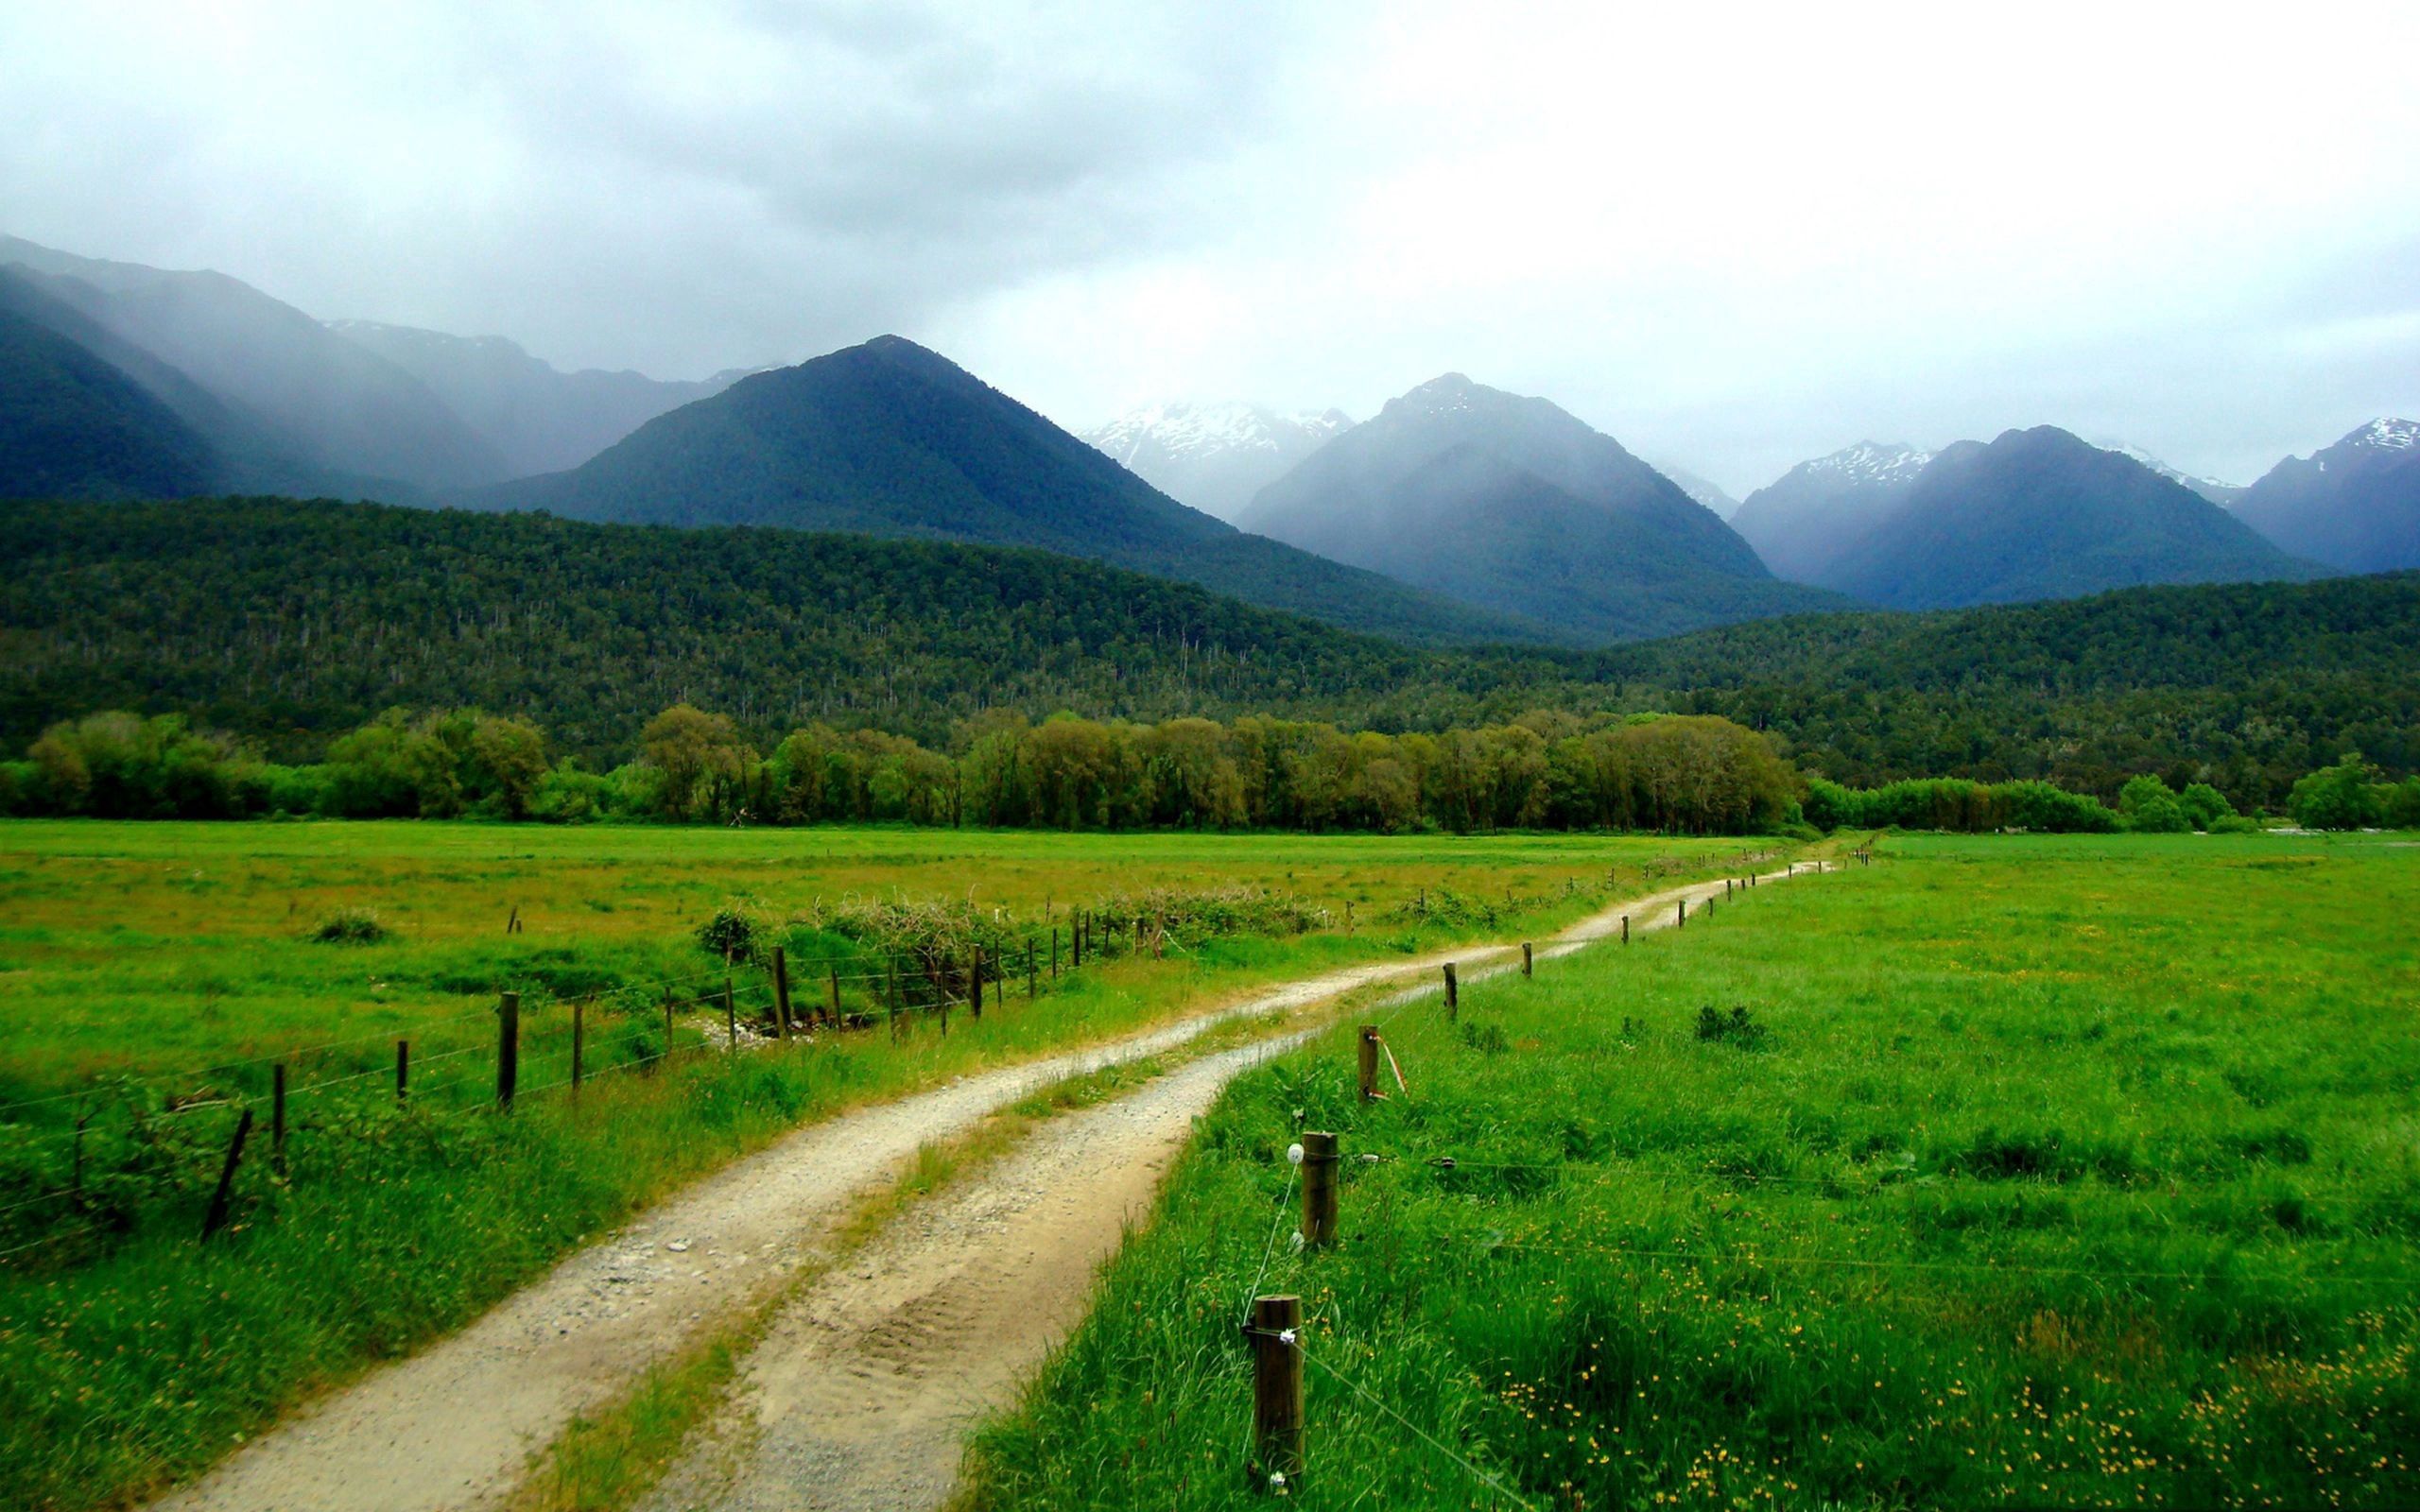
(968, 1293)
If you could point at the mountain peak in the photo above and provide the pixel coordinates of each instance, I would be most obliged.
(2385, 434)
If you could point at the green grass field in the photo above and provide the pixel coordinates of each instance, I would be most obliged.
(2022, 1172)
(150, 974)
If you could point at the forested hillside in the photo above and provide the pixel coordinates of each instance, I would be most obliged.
(2249, 684)
(291, 622)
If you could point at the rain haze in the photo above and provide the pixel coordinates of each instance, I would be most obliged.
(1734, 239)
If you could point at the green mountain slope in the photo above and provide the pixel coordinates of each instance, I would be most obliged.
(73, 426)
(1512, 504)
(889, 438)
(2039, 514)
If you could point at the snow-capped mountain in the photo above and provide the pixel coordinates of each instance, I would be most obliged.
(1801, 520)
(2355, 505)
(1213, 457)
(2210, 488)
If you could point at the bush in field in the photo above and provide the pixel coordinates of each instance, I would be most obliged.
(2205, 805)
(122, 766)
(2336, 798)
(352, 926)
(731, 934)
(2151, 807)
(2047, 809)
(1738, 1027)
(2400, 804)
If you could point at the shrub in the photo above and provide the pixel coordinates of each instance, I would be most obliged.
(731, 934)
(352, 926)
(2205, 805)
(2336, 798)
(1738, 1027)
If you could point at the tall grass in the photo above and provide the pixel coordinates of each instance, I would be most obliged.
(2028, 1173)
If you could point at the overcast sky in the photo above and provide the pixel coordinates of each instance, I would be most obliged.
(1733, 238)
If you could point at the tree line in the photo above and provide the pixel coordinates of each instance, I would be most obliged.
(1686, 774)
(1682, 774)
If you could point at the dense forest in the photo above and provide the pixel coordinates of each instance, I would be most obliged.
(289, 624)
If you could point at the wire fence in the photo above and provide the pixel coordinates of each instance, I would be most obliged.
(124, 1153)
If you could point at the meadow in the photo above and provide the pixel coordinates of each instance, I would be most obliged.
(153, 975)
(2006, 1171)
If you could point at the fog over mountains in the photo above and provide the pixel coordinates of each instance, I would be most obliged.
(1458, 513)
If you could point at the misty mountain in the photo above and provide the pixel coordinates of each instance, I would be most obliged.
(1513, 504)
(72, 426)
(2039, 514)
(538, 417)
(2220, 494)
(1704, 491)
(1214, 458)
(2355, 505)
(888, 439)
(1801, 520)
(330, 402)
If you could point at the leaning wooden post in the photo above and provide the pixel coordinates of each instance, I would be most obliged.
(1318, 1189)
(276, 1117)
(578, 1043)
(1368, 1062)
(1529, 963)
(507, 1048)
(1453, 993)
(221, 1199)
(1277, 1386)
(403, 1068)
(781, 993)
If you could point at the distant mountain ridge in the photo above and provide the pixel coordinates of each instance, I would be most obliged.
(1213, 457)
(333, 404)
(1800, 522)
(2039, 514)
(1704, 491)
(538, 417)
(1513, 503)
(2355, 505)
(889, 438)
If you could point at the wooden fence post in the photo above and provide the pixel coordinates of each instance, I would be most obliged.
(1726, 886)
(222, 1198)
(835, 995)
(1277, 1386)
(975, 981)
(1318, 1189)
(276, 1117)
(781, 993)
(507, 1048)
(1054, 953)
(891, 969)
(1528, 964)
(1368, 1062)
(1348, 916)
(578, 1043)
(668, 1026)
(403, 1068)
(1680, 911)
(1453, 993)
(1625, 929)
(1031, 976)
(730, 1014)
